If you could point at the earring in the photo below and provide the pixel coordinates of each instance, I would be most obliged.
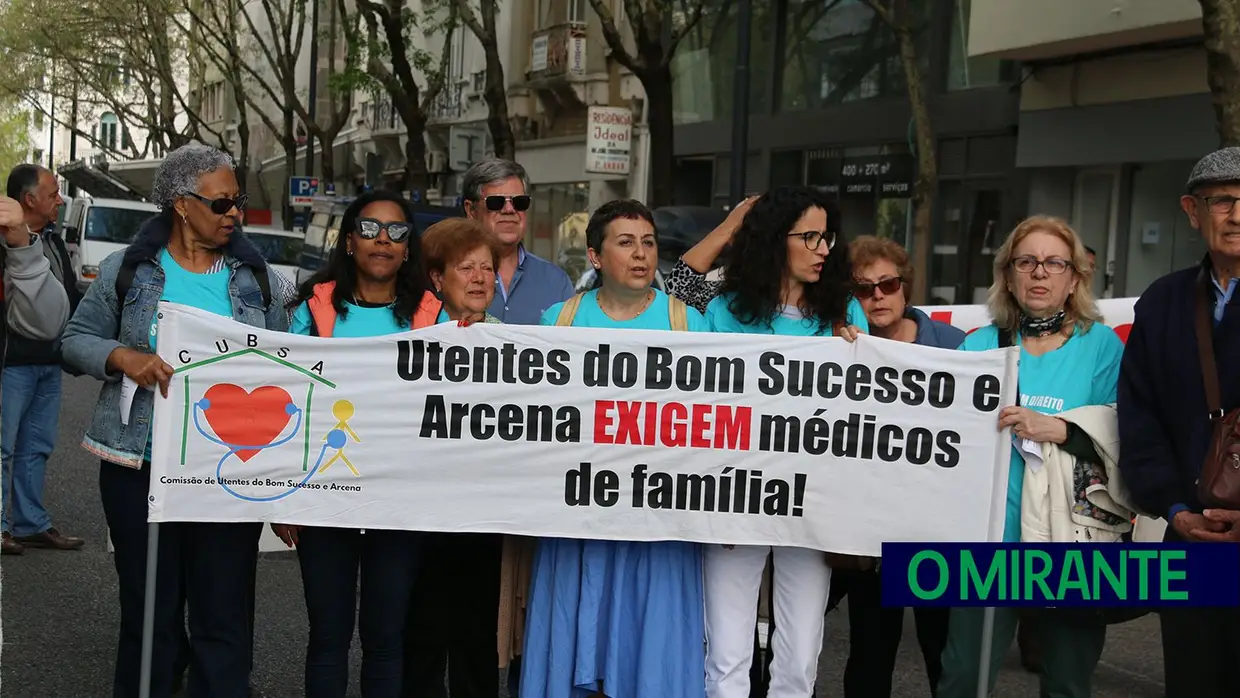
(406, 254)
(349, 251)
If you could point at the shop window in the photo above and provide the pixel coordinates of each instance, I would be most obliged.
(556, 229)
(965, 72)
(704, 64)
(841, 51)
(969, 232)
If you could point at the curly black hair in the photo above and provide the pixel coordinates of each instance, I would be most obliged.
(412, 282)
(757, 263)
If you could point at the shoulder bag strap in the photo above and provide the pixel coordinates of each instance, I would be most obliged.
(1205, 347)
(678, 314)
(569, 311)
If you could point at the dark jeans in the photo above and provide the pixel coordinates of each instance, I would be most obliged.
(330, 560)
(454, 617)
(874, 633)
(206, 567)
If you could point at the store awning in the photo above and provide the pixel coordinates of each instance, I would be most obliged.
(94, 179)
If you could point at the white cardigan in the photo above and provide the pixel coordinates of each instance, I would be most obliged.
(1048, 504)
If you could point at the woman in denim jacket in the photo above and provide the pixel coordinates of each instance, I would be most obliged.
(192, 253)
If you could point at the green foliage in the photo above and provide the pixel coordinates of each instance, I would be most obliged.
(14, 137)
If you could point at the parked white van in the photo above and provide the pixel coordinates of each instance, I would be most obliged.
(99, 227)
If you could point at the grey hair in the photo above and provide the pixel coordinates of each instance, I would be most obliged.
(180, 171)
(490, 171)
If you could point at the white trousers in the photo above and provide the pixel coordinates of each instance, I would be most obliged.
(733, 578)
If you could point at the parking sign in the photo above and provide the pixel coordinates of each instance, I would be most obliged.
(301, 190)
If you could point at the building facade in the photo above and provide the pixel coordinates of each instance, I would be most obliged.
(1114, 111)
(829, 108)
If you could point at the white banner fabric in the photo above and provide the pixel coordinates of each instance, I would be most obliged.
(1116, 312)
(583, 433)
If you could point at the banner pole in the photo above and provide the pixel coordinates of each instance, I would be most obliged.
(988, 636)
(148, 609)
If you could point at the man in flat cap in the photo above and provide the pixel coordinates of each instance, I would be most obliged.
(1166, 416)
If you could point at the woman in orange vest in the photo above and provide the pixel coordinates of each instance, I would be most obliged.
(373, 285)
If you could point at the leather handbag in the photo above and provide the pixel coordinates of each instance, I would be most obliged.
(1218, 485)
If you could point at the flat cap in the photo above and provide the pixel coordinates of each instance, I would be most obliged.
(1222, 165)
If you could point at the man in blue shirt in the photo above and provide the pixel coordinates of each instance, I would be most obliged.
(453, 620)
(496, 194)
(1164, 427)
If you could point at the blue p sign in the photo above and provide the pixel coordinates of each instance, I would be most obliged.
(301, 190)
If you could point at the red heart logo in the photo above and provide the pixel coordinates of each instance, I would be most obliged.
(247, 419)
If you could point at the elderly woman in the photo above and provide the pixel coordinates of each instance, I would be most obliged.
(787, 273)
(193, 253)
(373, 285)
(1040, 300)
(460, 257)
(882, 277)
(616, 618)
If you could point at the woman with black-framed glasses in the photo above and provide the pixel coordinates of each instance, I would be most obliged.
(787, 273)
(373, 285)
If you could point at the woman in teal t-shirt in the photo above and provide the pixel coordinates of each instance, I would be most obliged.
(373, 285)
(788, 273)
(620, 619)
(1041, 301)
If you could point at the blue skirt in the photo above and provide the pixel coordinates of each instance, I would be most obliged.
(627, 614)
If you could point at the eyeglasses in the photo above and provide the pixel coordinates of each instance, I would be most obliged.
(1219, 204)
(814, 238)
(1054, 265)
(222, 205)
(865, 289)
(369, 229)
(496, 203)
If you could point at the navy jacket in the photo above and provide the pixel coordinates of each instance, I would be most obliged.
(1164, 428)
(932, 333)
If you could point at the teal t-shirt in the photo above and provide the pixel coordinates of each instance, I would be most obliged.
(207, 292)
(1084, 371)
(361, 321)
(789, 322)
(654, 317)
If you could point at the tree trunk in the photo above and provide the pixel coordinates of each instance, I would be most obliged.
(926, 185)
(243, 161)
(661, 128)
(416, 176)
(1221, 21)
(496, 97)
(327, 159)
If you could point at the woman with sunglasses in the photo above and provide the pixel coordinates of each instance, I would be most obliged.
(193, 253)
(373, 285)
(882, 274)
(787, 273)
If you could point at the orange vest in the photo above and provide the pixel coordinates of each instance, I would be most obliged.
(324, 313)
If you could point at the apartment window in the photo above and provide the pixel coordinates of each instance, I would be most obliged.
(108, 126)
(577, 10)
(964, 72)
(38, 120)
(37, 155)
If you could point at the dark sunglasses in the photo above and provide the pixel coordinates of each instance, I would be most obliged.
(369, 229)
(496, 203)
(887, 286)
(223, 205)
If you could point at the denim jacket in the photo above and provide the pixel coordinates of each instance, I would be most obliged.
(97, 329)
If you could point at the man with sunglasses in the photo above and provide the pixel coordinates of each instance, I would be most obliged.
(496, 193)
(31, 397)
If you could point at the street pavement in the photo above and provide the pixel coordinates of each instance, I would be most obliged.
(59, 613)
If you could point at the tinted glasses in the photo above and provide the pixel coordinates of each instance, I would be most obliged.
(369, 229)
(865, 289)
(223, 205)
(496, 203)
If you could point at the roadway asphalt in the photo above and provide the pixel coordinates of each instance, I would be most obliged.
(59, 614)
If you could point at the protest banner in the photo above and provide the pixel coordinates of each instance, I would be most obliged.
(1116, 312)
(572, 432)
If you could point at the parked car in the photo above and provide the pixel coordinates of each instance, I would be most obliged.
(95, 228)
(281, 248)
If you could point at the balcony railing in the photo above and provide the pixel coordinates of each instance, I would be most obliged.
(380, 115)
(448, 104)
(558, 51)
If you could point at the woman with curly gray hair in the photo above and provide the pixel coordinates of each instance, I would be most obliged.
(194, 253)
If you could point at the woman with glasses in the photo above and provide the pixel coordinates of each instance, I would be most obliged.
(620, 619)
(882, 275)
(1041, 301)
(193, 253)
(787, 273)
(373, 285)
